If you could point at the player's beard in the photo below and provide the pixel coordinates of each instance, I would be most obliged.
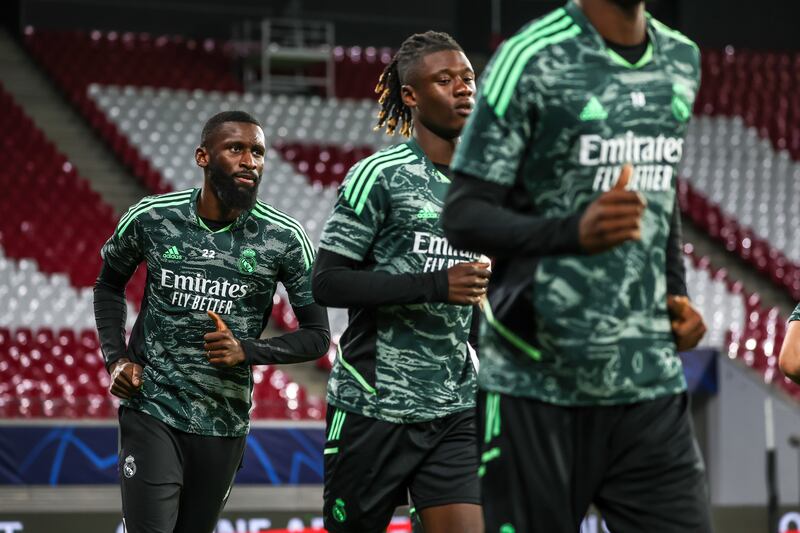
(231, 196)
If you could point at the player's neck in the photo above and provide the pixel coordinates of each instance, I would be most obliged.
(438, 149)
(625, 26)
(210, 207)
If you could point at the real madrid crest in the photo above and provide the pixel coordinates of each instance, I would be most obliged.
(129, 468)
(247, 261)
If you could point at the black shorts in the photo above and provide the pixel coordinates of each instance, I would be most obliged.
(542, 465)
(173, 481)
(371, 466)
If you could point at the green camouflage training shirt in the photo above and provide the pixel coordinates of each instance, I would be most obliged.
(558, 114)
(399, 363)
(190, 270)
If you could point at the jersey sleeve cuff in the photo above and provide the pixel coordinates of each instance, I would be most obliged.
(346, 252)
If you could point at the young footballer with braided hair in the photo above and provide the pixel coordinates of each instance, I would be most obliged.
(401, 395)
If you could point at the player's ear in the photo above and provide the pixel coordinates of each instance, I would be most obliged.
(408, 96)
(201, 156)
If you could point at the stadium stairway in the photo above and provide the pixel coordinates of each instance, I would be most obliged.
(64, 126)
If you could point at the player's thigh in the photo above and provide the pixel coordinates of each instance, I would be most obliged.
(453, 518)
(527, 466)
(656, 480)
(448, 474)
(366, 472)
(150, 473)
(210, 467)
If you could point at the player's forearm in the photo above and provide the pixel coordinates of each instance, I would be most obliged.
(337, 283)
(311, 341)
(475, 219)
(110, 312)
(676, 269)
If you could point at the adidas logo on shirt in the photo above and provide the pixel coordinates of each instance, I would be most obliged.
(593, 110)
(172, 254)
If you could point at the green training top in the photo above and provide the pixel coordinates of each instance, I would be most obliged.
(558, 114)
(190, 270)
(399, 363)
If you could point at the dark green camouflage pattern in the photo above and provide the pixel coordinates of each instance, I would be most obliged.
(191, 269)
(599, 322)
(391, 222)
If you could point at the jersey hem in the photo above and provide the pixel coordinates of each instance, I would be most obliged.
(376, 414)
(590, 402)
(185, 429)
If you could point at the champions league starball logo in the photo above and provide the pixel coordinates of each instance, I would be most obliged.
(129, 468)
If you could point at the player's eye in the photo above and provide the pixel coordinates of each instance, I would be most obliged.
(443, 81)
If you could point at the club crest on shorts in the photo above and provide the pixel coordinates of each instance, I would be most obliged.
(129, 468)
(247, 261)
(338, 511)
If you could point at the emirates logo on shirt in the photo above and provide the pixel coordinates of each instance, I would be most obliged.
(653, 159)
(199, 293)
(440, 254)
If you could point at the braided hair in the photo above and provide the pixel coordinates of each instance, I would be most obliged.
(395, 75)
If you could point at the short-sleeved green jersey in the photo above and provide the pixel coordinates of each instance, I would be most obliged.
(191, 270)
(399, 363)
(795, 314)
(558, 114)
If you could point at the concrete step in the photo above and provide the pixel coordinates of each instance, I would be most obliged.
(61, 123)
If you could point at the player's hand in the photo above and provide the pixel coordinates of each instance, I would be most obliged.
(467, 283)
(126, 378)
(613, 218)
(687, 323)
(222, 348)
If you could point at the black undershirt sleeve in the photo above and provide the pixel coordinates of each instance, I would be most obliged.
(110, 312)
(475, 219)
(676, 268)
(474, 329)
(338, 281)
(309, 342)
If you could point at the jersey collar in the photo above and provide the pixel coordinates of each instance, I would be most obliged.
(417, 149)
(236, 224)
(577, 15)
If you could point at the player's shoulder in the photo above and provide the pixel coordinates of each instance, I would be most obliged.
(527, 53)
(160, 201)
(672, 41)
(155, 206)
(275, 217)
(541, 36)
(293, 232)
(376, 168)
(381, 163)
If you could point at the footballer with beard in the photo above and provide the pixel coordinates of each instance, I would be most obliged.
(565, 174)
(213, 257)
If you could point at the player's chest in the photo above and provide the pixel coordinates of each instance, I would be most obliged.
(654, 100)
(417, 201)
(201, 258)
